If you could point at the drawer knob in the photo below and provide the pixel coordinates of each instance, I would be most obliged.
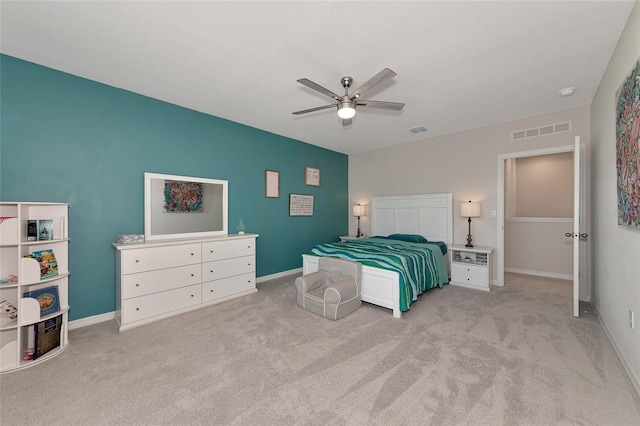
(191, 254)
(211, 271)
(137, 285)
(191, 274)
(137, 261)
(210, 251)
(211, 290)
(192, 295)
(137, 309)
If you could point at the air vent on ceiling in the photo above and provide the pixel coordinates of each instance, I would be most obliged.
(419, 129)
(541, 131)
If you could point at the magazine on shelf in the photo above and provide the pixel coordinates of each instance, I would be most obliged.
(47, 298)
(8, 313)
(47, 261)
(45, 229)
(46, 336)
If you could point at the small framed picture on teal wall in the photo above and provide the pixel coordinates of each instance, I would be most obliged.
(272, 184)
(312, 176)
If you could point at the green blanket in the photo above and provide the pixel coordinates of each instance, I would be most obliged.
(421, 266)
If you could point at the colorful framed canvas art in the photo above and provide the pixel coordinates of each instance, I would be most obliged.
(628, 149)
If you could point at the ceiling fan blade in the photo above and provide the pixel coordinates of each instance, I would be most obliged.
(318, 88)
(304, 111)
(396, 106)
(372, 82)
(347, 121)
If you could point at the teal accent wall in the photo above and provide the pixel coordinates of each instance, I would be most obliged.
(68, 139)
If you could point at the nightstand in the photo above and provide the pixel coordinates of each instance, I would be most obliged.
(470, 266)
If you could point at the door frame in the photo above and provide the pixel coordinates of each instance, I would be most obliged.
(585, 271)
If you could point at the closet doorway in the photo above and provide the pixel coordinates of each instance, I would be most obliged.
(542, 220)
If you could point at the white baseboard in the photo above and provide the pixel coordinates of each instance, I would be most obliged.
(84, 322)
(633, 376)
(279, 275)
(540, 274)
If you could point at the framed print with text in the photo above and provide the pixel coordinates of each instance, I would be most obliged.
(300, 205)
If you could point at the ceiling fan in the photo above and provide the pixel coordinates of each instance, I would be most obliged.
(347, 104)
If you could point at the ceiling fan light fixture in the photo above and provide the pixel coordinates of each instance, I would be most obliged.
(347, 110)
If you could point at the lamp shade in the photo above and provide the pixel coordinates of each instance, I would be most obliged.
(359, 210)
(470, 209)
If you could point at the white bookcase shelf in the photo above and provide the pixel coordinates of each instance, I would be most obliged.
(18, 336)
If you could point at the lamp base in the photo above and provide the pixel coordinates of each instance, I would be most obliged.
(468, 242)
(469, 236)
(359, 234)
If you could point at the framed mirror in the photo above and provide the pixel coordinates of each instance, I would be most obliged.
(184, 207)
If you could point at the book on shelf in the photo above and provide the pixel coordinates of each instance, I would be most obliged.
(32, 230)
(9, 279)
(8, 313)
(47, 261)
(46, 336)
(45, 229)
(48, 299)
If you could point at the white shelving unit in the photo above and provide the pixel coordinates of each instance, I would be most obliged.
(471, 266)
(17, 337)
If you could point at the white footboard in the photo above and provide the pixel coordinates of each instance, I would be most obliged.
(379, 286)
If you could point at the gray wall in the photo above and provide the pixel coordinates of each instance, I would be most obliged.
(464, 163)
(616, 249)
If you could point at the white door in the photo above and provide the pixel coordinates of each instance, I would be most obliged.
(578, 223)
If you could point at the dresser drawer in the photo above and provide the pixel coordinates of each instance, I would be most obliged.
(139, 308)
(228, 249)
(227, 268)
(458, 268)
(470, 274)
(227, 286)
(135, 285)
(149, 259)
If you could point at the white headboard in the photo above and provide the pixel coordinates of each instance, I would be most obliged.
(429, 215)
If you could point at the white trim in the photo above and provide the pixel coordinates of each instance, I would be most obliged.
(278, 275)
(554, 275)
(87, 321)
(635, 380)
(540, 219)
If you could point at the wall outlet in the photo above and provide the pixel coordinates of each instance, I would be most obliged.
(631, 320)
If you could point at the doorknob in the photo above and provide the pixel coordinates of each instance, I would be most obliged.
(568, 234)
(584, 236)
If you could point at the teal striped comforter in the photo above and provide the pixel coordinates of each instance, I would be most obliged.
(421, 266)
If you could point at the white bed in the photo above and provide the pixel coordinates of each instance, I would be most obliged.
(429, 215)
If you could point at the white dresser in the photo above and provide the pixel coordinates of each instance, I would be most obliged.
(160, 279)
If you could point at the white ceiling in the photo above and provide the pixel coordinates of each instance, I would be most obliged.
(460, 65)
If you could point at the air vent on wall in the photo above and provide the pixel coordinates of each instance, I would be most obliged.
(419, 129)
(541, 131)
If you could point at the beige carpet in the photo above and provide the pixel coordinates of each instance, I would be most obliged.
(514, 356)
